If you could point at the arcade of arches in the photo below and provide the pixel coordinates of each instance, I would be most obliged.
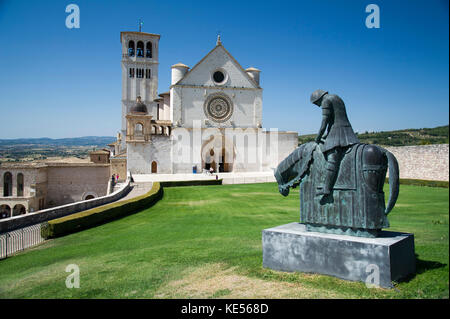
(18, 209)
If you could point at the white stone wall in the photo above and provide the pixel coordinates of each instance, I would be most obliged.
(188, 106)
(246, 150)
(182, 151)
(429, 162)
(188, 96)
(166, 102)
(141, 155)
(201, 74)
(175, 105)
(242, 154)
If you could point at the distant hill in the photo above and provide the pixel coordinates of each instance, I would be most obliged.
(100, 141)
(422, 136)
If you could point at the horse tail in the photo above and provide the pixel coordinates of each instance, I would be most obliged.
(394, 181)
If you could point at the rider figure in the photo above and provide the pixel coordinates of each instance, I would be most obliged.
(339, 134)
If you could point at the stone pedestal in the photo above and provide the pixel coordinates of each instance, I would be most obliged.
(291, 248)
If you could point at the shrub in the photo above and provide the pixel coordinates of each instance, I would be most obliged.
(192, 183)
(422, 182)
(100, 215)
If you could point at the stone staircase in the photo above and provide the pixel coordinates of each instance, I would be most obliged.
(117, 186)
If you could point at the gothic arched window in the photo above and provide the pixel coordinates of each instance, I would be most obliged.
(148, 52)
(131, 48)
(140, 49)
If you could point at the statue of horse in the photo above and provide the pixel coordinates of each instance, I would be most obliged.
(356, 205)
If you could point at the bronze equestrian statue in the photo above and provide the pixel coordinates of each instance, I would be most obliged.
(341, 180)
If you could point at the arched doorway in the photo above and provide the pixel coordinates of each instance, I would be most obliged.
(154, 167)
(225, 162)
(219, 153)
(19, 210)
(5, 211)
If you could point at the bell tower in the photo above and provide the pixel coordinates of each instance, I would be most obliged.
(139, 72)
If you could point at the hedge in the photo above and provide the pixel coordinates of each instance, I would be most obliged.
(100, 215)
(192, 183)
(422, 182)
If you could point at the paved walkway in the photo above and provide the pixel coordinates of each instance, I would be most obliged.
(137, 189)
(228, 178)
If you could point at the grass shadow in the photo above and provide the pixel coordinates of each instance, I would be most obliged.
(425, 265)
(422, 266)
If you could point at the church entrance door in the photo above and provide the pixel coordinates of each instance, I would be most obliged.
(218, 152)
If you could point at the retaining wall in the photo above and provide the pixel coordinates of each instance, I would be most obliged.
(429, 162)
(12, 223)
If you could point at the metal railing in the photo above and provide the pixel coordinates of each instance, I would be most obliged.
(20, 239)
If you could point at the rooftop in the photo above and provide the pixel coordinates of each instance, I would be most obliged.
(179, 64)
(139, 33)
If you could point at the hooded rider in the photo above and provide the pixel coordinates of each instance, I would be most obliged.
(338, 138)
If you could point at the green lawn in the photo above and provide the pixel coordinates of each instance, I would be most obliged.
(205, 242)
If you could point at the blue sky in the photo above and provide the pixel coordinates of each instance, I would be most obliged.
(58, 82)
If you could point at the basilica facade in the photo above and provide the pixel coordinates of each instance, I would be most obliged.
(211, 117)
